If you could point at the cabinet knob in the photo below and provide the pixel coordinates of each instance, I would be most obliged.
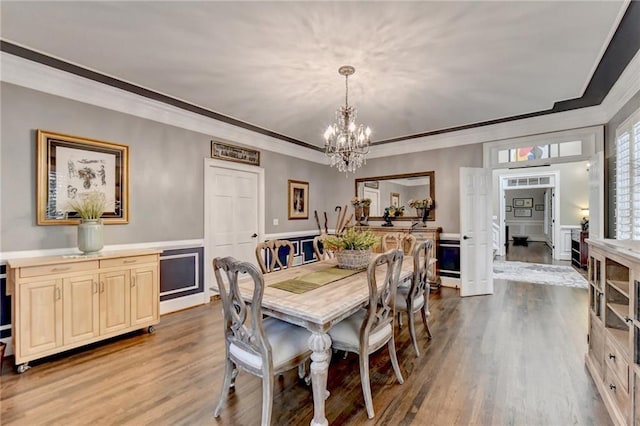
(612, 387)
(627, 319)
(612, 356)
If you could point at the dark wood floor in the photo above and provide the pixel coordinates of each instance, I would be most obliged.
(516, 357)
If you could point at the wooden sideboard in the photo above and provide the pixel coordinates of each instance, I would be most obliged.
(421, 234)
(63, 302)
(613, 356)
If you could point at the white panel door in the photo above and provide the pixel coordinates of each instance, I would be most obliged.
(374, 195)
(596, 196)
(233, 214)
(476, 249)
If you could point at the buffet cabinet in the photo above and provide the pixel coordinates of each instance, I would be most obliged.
(613, 356)
(63, 302)
(422, 234)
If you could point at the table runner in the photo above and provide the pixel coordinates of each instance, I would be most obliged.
(313, 280)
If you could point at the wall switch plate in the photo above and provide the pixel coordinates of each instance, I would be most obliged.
(276, 222)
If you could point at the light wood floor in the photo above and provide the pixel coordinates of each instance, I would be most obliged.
(516, 357)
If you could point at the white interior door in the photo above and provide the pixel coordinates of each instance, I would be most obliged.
(596, 196)
(234, 212)
(476, 249)
(374, 195)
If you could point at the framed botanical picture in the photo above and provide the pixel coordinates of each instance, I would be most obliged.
(539, 207)
(239, 154)
(298, 199)
(508, 208)
(70, 168)
(395, 199)
(523, 202)
(522, 212)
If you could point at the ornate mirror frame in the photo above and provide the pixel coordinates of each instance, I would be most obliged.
(410, 213)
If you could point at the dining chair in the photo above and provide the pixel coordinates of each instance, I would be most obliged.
(399, 240)
(268, 255)
(415, 297)
(371, 327)
(262, 347)
(325, 253)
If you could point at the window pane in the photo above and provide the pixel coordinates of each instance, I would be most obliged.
(623, 187)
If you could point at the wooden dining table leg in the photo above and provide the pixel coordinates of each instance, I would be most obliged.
(320, 344)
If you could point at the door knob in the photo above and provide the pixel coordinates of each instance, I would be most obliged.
(466, 238)
(254, 235)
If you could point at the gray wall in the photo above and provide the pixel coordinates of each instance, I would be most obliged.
(166, 174)
(609, 152)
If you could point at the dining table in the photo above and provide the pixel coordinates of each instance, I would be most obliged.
(317, 310)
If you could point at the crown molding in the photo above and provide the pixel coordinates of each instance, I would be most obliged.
(33, 75)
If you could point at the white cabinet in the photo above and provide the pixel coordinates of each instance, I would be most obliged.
(63, 302)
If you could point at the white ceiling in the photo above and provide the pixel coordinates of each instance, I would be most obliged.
(420, 66)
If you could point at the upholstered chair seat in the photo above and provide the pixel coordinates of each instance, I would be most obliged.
(371, 328)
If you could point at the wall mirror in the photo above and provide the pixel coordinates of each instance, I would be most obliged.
(385, 191)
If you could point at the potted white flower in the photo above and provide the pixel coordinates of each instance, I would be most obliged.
(90, 207)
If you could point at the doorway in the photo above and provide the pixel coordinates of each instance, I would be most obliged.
(524, 207)
(234, 212)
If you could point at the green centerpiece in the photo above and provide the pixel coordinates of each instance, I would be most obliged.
(352, 248)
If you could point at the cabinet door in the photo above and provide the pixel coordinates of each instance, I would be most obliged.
(40, 312)
(115, 301)
(144, 295)
(81, 308)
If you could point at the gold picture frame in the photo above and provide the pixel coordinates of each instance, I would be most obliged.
(298, 199)
(70, 166)
(394, 200)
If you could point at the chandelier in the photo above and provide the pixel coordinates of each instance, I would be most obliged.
(346, 143)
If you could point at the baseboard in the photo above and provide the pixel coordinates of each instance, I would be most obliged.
(180, 303)
(450, 282)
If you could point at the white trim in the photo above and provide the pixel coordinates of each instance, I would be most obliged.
(36, 76)
(627, 85)
(32, 75)
(449, 236)
(450, 282)
(166, 245)
(9, 349)
(563, 245)
(5, 327)
(180, 303)
(293, 234)
(194, 286)
(554, 182)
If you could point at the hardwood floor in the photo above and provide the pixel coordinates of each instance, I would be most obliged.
(516, 357)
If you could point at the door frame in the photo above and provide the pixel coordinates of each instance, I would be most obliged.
(210, 165)
(555, 185)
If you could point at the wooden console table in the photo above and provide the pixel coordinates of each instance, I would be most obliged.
(421, 234)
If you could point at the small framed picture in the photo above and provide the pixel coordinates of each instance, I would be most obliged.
(395, 199)
(298, 199)
(522, 212)
(539, 207)
(523, 202)
(508, 209)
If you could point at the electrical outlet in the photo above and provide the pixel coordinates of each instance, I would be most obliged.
(276, 222)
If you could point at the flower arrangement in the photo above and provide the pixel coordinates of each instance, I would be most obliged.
(394, 211)
(351, 239)
(426, 203)
(357, 202)
(89, 206)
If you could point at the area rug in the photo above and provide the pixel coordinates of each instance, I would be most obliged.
(538, 273)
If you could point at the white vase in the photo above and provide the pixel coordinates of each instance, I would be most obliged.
(90, 236)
